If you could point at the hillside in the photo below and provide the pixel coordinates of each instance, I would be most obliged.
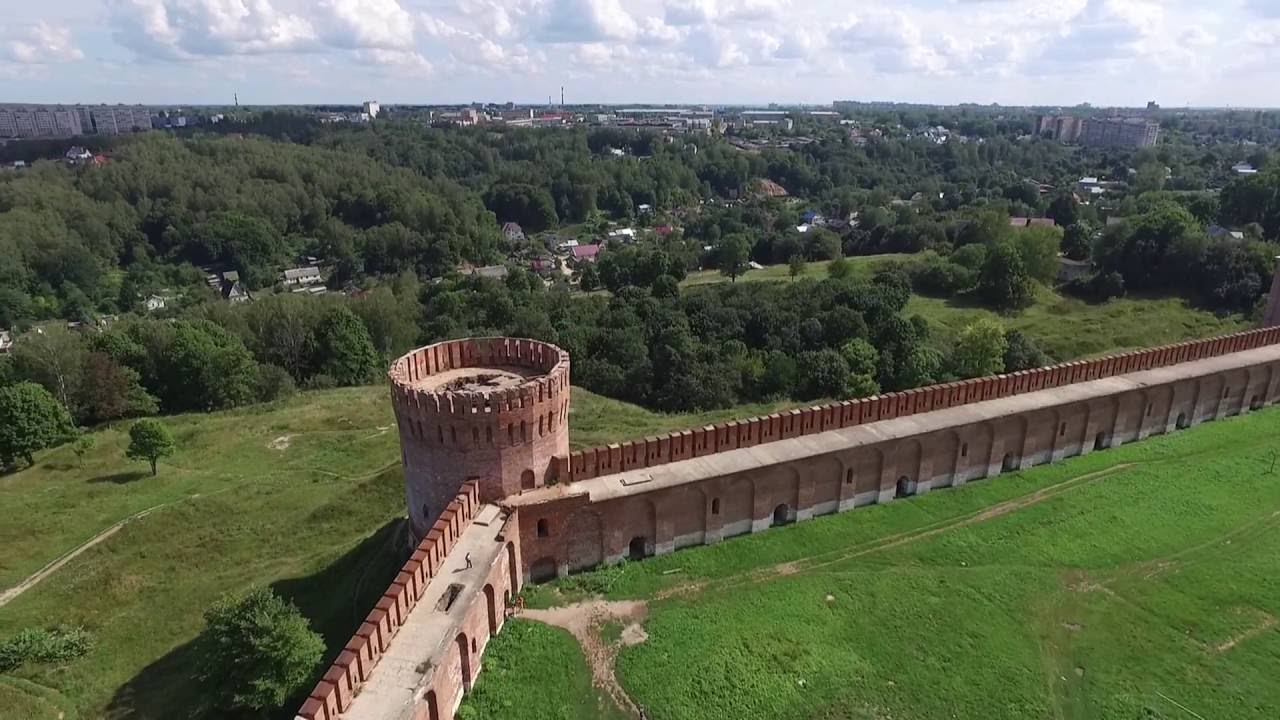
(305, 496)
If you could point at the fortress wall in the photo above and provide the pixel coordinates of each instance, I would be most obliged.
(504, 438)
(606, 520)
(712, 439)
(355, 664)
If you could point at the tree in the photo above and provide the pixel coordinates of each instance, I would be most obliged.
(1076, 241)
(344, 351)
(980, 350)
(1022, 353)
(149, 440)
(53, 358)
(83, 446)
(30, 420)
(840, 268)
(732, 255)
(256, 651)
(111, 392)
(1004, 282)
(796, 266)
(1038, 246)
(588, 277)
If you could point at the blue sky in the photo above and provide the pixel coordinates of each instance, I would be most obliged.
(1108, 52)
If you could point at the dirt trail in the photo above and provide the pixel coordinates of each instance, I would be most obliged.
(584, 621)
(12, 593)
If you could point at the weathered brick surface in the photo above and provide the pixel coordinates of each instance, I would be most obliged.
(595, 462)
(503, 439)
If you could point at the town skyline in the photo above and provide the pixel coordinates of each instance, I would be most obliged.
(722, 52)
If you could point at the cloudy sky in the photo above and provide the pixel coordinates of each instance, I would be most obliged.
(1114, 52)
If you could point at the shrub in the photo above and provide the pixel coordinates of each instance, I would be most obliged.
(274, 383)
(40, 645)
(257, 651)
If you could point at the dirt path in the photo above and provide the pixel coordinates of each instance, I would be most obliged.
(51, 568)
(584, 621)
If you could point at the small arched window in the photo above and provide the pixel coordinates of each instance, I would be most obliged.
(715, 506)
(543, 531)
(848, 476)
(964, 450)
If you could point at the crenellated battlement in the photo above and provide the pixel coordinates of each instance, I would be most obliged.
(732, 435)
(495, 410)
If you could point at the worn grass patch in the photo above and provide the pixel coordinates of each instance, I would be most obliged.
(305, 496)
(1140, 583)
(535, 672)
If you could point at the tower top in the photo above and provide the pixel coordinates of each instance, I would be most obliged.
(1271, 318)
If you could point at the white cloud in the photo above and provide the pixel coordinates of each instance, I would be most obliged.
(179, 29)
(380, 24)
(574, 21)
(41, 45)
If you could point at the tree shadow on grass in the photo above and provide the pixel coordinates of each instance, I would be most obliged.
(121, 478)
(335, 600)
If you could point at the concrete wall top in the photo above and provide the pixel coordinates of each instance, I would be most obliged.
(354, 665)
(732, 435)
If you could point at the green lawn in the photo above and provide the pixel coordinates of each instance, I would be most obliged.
(535, 672)
(305, 496)
(1068, 328)
(863, 266)
(1141, 584)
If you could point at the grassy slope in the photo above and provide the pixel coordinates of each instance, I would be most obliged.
(1118, 597)
(1064, 327)
(314, 520)
(863, 266)
(535, 672)
(1068, 328)
(598, 420)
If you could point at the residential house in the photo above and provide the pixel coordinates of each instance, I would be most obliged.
(1217, 232)
(302, 276)
(623, 235)
(513, 232)
(1032, 222)
(811, 217)
(157, 301)
(1244, 168)
(6, 341)
(585, 253)
(644, 208)
(493, 272)
(77, 154)
(1069, 269)
(566, 247)
(235, 292)
(664, 230)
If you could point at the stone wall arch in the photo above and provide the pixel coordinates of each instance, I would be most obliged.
(583, 541)
(944, 452)
(777, 485)
(639, 519)
(827, 476)
(737, 506)
(902, 476)
(1210, 398)
(687, 512)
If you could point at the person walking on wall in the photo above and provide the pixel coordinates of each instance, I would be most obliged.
(468, 559)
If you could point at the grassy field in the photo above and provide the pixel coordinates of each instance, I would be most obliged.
(1068, 328)
(863, 266)
(305, 496)
(1138, 582)
(535, 672)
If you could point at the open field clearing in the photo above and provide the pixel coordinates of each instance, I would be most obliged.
(1137, 582)
(306, 496)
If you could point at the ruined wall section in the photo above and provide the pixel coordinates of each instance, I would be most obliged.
(505, 439)
(699, 442)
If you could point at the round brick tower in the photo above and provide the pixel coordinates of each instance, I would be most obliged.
(493, 409)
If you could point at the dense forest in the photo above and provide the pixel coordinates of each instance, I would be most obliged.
(393, 211)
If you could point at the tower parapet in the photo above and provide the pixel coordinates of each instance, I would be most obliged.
(493, 410)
